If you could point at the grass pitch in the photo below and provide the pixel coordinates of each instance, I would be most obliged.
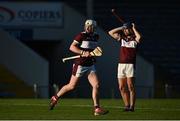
(75, 109)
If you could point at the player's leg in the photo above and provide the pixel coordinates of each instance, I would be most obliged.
(122, 81)
(76, 73)
(130, 81)
(124, 92)
(66, 88)
(131, 88)
(93, 80)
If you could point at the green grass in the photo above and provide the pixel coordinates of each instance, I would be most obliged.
(37, 109)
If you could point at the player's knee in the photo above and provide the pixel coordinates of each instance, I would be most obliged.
(96, 86)
(122, 88)
(131, 88)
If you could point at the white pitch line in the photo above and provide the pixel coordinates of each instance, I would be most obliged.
(114, 107)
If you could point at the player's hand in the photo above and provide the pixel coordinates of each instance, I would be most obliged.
(86, 54)
(133, 25)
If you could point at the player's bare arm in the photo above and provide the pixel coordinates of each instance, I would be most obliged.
(115, 33)
(137, 34)
(76, 50)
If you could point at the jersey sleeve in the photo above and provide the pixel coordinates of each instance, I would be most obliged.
(78, 38)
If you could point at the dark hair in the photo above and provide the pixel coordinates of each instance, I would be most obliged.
(127, 25)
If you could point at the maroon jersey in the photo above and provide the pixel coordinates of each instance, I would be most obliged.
(87, 42)
(128, 50)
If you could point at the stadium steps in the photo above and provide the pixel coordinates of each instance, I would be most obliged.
(11, 86)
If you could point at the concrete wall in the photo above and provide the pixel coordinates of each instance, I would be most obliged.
(144, 78)
(24, 63)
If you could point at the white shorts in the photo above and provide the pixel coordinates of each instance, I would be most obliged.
(126, 70)
(79, 70)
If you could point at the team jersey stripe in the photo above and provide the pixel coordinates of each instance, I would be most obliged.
(128, 51)
(128, 44)
(89, 44)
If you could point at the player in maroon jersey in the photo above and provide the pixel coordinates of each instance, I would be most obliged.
(129, 38)
(83, 44)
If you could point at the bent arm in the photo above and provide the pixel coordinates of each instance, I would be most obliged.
(115, 33)
(76, 50)
(137, 34)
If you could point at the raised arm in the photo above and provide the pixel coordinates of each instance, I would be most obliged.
(115, 33)
(137, 34)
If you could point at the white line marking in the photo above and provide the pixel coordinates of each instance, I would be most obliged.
(114, 107)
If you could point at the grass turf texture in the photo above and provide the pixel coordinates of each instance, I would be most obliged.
(38, 109)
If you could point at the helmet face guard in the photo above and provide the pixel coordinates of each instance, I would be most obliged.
(90, 22)
(90, 25)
